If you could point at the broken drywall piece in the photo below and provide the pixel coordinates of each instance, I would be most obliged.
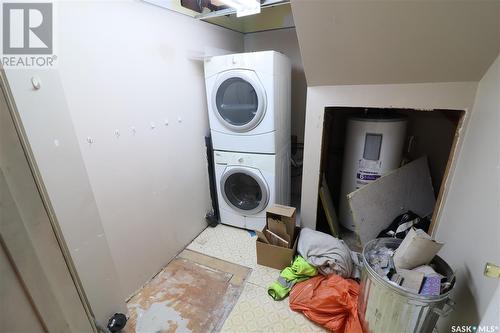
(412, 280)
(374, 206)
(416, 249)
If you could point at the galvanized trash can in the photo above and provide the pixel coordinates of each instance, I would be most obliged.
(386, 308)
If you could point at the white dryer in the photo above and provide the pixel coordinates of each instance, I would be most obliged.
(247, 184)
(248, 97)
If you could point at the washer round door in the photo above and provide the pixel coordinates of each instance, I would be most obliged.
(244, 190)
(239, 100)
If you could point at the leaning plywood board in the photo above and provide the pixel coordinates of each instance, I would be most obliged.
(327, 202)
(374, 206)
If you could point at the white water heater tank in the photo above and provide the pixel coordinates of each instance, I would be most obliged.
(373, 147)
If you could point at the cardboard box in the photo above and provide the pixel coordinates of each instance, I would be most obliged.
(275, 256)
(280, 220)
(285, 215)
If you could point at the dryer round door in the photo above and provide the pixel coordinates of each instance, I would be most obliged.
(239, 100)
(244, 190)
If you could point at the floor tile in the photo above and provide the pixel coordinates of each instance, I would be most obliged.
(236, 246)
(226, 243)
(257, 312)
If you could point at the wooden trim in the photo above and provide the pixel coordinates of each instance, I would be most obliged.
(12, 262)
(450, 167)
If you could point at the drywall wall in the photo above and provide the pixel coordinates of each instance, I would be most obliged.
(381, 42)
(458, 95)
(134, 83)
(469, 221)
(285, 41)
(490, 317)
(130, 78)
(48, 125)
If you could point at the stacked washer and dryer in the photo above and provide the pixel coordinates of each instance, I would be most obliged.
(248, 97)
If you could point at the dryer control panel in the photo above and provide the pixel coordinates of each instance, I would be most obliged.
(227, 158)
(257, 161)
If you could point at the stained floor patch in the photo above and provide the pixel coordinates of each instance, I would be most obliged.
(193, 293)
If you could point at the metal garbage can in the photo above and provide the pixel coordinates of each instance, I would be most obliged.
(386, 308)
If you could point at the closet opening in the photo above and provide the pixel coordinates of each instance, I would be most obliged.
(422, 133)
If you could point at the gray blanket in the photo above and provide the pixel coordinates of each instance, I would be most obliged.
(328, 254)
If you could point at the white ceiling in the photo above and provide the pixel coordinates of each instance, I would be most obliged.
(405, 41)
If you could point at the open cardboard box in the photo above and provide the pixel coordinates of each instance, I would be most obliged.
(276, 256)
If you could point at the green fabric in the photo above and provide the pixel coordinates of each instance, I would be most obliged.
(300, 270)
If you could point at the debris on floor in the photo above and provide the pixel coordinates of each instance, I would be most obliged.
(276, 244)
(330, 301)
(329, 254)
(117, 322)
(255, 311)
(193, 293)
(299, 271)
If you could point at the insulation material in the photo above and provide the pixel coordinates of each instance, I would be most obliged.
(375, 205)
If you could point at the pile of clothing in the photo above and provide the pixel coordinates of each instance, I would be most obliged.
(329, 298)
(299, 271)
(329, 254)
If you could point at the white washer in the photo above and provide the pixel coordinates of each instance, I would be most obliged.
(248, 183)
(248, 96)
